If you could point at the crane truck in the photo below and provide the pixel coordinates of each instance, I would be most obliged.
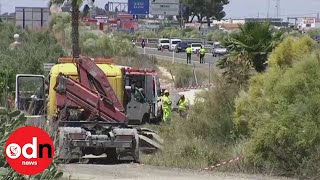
(90, 100)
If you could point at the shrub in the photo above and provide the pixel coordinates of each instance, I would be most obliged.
(170, 33)
(146, 34)
(193, 34)
(290, 50)
(217, 35)
(139, 61)
(37, 48)
(313, 33)
(280, 113)
(183, 76)
(206, 137)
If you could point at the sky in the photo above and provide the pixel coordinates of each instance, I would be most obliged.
(235, 9)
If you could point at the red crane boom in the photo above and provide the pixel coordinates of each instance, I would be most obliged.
(93, 93)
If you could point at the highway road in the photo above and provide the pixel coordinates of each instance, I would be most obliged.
(179, 57)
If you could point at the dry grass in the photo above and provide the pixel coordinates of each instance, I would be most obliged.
(205, 138)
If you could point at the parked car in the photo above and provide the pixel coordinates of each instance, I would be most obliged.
(173, 44)
(196, 47)
(181, 47)
(163, 43)
(218, 50)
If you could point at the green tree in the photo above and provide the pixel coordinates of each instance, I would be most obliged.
(206, 8)
(75, 13)
(314, 33)
(217, 35)
(85, 11)
(249, 48)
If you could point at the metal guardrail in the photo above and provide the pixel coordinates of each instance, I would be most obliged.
(208, 48)
(189, 40)
(153, 42)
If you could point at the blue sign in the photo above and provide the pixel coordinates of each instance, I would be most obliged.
(138, 7)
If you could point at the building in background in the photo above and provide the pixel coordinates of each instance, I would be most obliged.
(308, 23)
(9, 18)
(32, 17)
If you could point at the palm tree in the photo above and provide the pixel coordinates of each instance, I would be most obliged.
(251, 45)
(75, 14)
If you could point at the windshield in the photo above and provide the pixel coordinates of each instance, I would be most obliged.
(218, 46)
(183, 44)
(196, 45)
(175, 42)
(164, 41)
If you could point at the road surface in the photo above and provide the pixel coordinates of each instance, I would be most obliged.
(146, 172)
(179, 57)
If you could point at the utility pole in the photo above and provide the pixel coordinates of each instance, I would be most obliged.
(278, 8)
(181, 16)
(268, 11)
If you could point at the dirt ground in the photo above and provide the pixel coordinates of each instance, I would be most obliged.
(146, 172)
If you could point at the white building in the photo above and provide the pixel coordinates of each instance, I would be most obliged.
(229, 21)
(308, 23)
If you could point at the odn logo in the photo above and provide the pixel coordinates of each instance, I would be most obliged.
(29, 150)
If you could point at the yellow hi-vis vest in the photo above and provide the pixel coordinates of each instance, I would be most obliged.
(183, 104)
(189, 50)
(166, 102)
(202, 51)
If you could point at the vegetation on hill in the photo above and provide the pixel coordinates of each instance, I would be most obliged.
(37, 48)
(279, 113)
(270, 119)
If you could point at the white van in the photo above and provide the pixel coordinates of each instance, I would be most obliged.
(173, 44)
(163, 43)
(196, 47)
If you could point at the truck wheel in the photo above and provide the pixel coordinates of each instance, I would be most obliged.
(112, 155)
(145, 118)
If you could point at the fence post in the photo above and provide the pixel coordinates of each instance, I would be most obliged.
(209, 72)
(194, 73)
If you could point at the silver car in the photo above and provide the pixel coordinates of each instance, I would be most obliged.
(218, 50)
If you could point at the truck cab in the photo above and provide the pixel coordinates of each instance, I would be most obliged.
(145, 82)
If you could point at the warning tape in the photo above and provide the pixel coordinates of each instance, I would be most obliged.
(223, 163)
(191, 87)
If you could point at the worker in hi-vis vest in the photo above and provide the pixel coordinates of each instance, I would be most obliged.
(202, 54)
(189, 52)
(166, 106)
(183, 106)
